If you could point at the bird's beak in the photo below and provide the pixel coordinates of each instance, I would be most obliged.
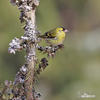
(66, 31)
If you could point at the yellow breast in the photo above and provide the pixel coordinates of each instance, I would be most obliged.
(60, 37)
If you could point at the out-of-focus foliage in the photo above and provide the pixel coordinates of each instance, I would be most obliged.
(75, 69)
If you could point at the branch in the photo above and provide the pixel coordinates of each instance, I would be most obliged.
(28, 41)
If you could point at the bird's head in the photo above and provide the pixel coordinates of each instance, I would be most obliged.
(62, 29)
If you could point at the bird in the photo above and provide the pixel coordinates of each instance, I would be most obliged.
(55, 36)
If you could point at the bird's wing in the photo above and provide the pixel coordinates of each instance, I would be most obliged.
(50, 34)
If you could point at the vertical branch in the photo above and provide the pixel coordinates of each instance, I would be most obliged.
(27, 14)
(30, 30)
(30, 59)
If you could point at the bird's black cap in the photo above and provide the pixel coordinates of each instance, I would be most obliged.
(64, 29)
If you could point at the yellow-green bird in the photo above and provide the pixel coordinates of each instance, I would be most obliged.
(55, 36)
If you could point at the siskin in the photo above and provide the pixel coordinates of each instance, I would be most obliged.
(55, 36)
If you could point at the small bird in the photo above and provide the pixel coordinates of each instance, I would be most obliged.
(55, 36)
